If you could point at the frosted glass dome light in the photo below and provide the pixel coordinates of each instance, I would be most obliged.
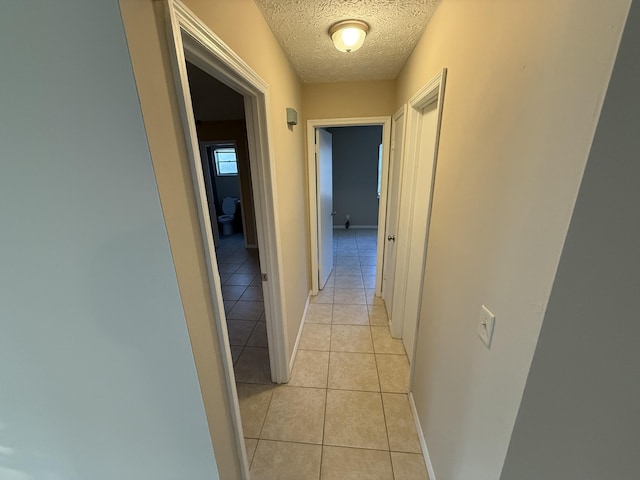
(348, 35)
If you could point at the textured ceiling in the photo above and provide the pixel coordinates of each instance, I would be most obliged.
(301, 27)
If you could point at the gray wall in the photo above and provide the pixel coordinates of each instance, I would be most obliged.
(226, 187)
(355, 174)
(580, 415)
(97, 378)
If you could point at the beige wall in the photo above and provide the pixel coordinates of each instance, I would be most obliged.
(350, 99)
(524, 88)
(241, 26)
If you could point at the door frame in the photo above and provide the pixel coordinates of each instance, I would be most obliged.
(209, 184)
(191, 40)
(402, 112)
(312, 125)
(407, 253)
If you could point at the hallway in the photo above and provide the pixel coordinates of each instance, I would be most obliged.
(345, 412)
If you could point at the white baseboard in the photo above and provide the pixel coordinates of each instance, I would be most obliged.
(355, 227)
(423, 442)
(295, 346)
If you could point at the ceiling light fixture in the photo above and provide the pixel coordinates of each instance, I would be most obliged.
(348, 35)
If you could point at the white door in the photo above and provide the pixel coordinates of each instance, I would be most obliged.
(393, 203)
(422, 125)
(324, 166)
(422, 209)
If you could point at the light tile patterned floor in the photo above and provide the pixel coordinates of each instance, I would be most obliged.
(345, 413)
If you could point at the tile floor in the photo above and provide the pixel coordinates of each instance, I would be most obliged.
(345, 413)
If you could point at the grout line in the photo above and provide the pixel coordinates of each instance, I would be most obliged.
(327, 445)
(326, 391)
(330, 341)
(289, 441)
(352, 447)
(381, 398)
(264, 384)
(237, 359)
(264, 420)
(384, 414)
(255, 325)
(324, 419)
(355, 235)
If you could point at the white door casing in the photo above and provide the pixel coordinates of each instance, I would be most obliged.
(324, 169)
(421, 212)
(393, 204)
(190, 39)
(312, 125)
(421, 151)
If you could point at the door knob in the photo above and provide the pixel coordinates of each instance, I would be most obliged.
(391, 238)
(333, 213)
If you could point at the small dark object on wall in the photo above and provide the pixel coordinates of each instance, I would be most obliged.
(292, 116)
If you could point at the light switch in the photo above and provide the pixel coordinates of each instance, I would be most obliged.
(485, 327)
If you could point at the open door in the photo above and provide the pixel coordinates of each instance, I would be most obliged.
(324, 166)
(393, 206)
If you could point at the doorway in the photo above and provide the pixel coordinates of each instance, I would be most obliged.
(321, 230)
(222, 135)
(191, 41)
(424, 115)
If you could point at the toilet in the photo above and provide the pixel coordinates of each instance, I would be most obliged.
(226, 220)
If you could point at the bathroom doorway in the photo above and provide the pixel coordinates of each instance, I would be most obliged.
(224, 153)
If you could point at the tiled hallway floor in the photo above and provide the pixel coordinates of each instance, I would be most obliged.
(239, 269)
(345, 413)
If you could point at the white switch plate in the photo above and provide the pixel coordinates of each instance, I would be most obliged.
(485, 326)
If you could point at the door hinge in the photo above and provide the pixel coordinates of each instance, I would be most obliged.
(264, 277)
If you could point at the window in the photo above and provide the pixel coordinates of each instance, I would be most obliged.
(225, 160)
